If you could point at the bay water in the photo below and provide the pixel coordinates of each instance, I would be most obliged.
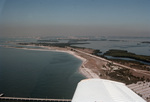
(38, 73)
(49, 74)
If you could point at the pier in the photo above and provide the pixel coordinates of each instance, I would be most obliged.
(34, 99)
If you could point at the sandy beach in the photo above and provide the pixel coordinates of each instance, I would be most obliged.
(93, 66)
(84, 69)
(87, 72)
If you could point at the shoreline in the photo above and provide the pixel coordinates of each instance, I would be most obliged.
(97, 67)
(85, 71)
(82, 69)
(88, 68)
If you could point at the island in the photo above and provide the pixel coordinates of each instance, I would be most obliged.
(126, 54)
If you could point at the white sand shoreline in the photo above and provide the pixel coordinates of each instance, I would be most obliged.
(87, 72)
(84, 71)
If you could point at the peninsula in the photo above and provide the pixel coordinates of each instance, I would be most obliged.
(94, 66)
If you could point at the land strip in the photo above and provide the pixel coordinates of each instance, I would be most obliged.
(97, 67)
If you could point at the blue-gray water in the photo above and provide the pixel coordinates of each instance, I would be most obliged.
(33, 73)
(131, 44)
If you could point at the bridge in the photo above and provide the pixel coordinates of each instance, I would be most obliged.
(35, 99)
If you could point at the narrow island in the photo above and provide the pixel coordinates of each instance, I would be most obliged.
(126, 54)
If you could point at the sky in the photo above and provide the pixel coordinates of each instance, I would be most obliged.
(75, 17)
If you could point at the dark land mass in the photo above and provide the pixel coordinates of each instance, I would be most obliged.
(52, 44)
(84, 40)
(47, 41)
(118, 40)
(126, 54)
(97, 40)
(146, 42)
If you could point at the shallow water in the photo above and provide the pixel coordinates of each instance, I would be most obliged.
(33, 73)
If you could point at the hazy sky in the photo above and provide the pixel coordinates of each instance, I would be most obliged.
(74, 17)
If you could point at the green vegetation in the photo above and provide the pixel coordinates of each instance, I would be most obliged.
(124, 75)
(132, 64)
(126, 54)
(96, 52)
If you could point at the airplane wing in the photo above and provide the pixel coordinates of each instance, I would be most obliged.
(100, 90)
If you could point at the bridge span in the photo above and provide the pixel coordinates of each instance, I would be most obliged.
(35, 99)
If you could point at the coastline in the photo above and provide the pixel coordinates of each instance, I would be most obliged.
(82, 69)
(85, 71)
(92, 66)
(97, 67)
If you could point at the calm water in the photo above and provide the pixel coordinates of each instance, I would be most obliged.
(33, 73)
(131, 44)
(45, 74)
